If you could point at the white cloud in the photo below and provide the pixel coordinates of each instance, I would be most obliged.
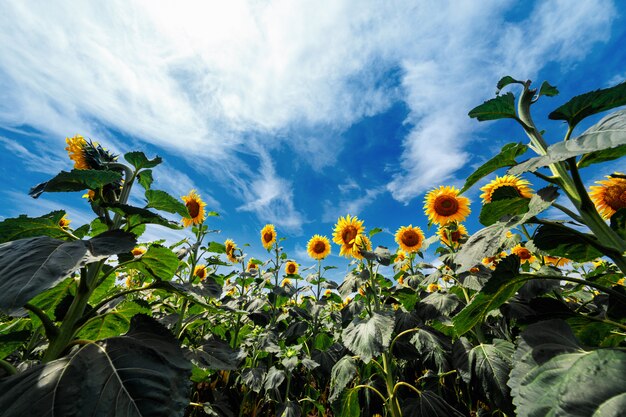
(210, 79)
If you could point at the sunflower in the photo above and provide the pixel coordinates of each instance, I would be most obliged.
(268, 236)
(523, 254)
(556, 260)
(76, 151)
(492, 261)
(251, 265)
(200, 271)
(512, 183)
(138, 251)
(433, 288)
(195, 208)
(291, 268)
(318, 247)
(346, 230)
(443, 205)
(610, 195)
(64, 222)
(361, 243)
(401, 261)
(410, 238)
(452, 234)
(90, 195)
(328, 293)
(285, 282)
(230, 250)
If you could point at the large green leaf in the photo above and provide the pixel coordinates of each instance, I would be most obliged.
(490, 365)
(370, 336)
(559, 240)
(161, 200)
(496, 292)
(553, 376)
(590, 103)
(492, 212)
(601, 141)
(618, 222)
(216, 354)
(112, 323)
(434, 349)
(139, 160)
(507, 80)
(76, 180)
(145, 179)
(342, 374)
(11, 341)
(158, 262)
(48, 300)
(31, 266)
(140, 374)
(428, 404)
(501, 107)
(505, 158)
(138, 215)
(24, 226)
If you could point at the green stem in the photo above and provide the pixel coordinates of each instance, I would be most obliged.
(606, 321)
(567, 211)
(404, 384)
(7, 367)
(369, 387)
(392, 401)
(51, 330)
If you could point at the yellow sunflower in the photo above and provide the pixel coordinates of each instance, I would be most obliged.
(492, 261)
(452, 233)
(401, 261)
(230, 250)
(433, 288)
(610, 195)
(251, 265)
(64, 223)
(523, 254)
(291, 268)
(346, 230)
(285, 282)
(76, 151)
(328, 293)
(138, 251)
(268, 236)
(556, 261)
(195, 208)
(444, 205)
(410, 238)
(361, 243)
(512, 182)
(200, 271)
(318, 247)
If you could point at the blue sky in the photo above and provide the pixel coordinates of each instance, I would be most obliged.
(291, 113)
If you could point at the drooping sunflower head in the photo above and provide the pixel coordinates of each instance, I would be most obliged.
(523, 254)
(346, 230)
(444, 205)
(400, 256)
(318, 247)
(195, 208)
(410, 238)
(452, 234)
(200, 271)
(291, 268)
(361, 243)
(64, 222)
(510, 184)
(87, 154)
(230, 250)
(138, 251)
(268, 236)
(610, 195)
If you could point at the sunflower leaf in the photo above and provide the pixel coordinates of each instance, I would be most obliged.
(506, 80)
(139, 160)
(603, 141)
(137, 216)
(505, 158)
(500, 107)
(76, 180)
(495, 210)
(369, 337)
(158, 262)
(23, 227)
(559, 240)
(618, 222)
(145, 178)
(548, 90)
(590, 103)
(161, 200)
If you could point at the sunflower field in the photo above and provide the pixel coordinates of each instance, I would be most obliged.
(525, 317)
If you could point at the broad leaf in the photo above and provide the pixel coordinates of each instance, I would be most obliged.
(76, 180)
(507, 80)
(602, 156)
(161, 200)
(490, 365)
(31, 266)
(497, 108)
(24, 226)
(9, 342)
(140, 374)
(137, 216)
(559, 240)
(139, 160)
(548, 90)
(158, 262)
(444, 303)
(434, 349)
(145, 179)
(602, 141)
(342, 374)
(428, 404)
(216, 354)
(495, 210)
(505, 158)
(590, 103)
(553, 376)
(111, 324)
(253, 378)
(370, 336)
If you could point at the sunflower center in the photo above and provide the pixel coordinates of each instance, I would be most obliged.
(291, 269)
(524, 254)
(455, 236)
(193, 208)
(268, 236)
(348, 235)
(615, 197)
(319, 247)
(410, 238)
(446, 205)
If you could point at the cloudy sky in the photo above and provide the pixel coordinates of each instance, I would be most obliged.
(287, 112)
